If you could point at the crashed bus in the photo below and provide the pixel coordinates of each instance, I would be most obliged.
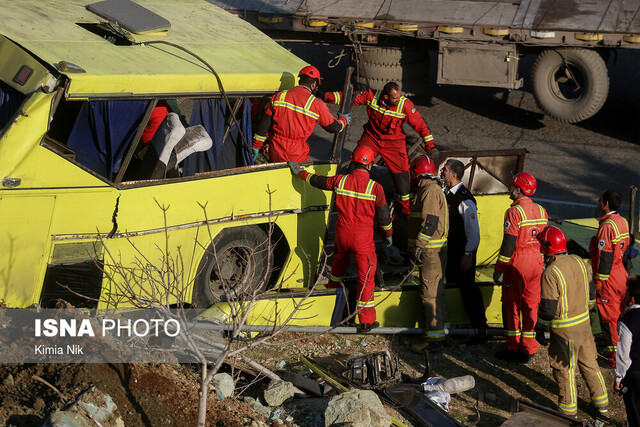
(78, 195)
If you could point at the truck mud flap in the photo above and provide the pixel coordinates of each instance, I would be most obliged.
(413, 400)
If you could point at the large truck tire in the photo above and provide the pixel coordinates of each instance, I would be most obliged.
(235, 264)
(407, 67)
(570, 85)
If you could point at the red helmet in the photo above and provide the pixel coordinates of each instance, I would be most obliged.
(525, 182)
(363, 154)
(552, 241)
(310, 71)
(423, 165)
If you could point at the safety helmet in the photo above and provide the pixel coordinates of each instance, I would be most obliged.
(552, 241)
(363, 154)
(525, 182)
(310, 71)
(423, 165)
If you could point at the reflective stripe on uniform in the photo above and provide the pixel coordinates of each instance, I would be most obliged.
(428, 138)
(337, 96)
(571, 321)
(365, 304)
(306, 110)
(530, 334)
(619, 236)
(435, 243)
(435, 334)
(510, 333)
(367, 195)
(387, 227)
(504, 259)
(336, 279)
(535, 221)
(308, 178)
(564, 306)
(259, 137)
(404, 197)
(602, 276)
(397, 112)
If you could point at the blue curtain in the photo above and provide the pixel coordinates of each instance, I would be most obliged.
(102, 133)
(10, 100)
(228, 154)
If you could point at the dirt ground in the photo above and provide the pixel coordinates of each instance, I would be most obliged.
(167, 395)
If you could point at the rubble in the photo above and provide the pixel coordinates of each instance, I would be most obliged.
(361, 408)
(224, 385)
(278, 392)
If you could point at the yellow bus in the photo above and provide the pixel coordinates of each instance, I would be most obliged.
(83, 187)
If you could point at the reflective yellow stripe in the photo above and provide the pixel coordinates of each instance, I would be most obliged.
(336, 279)
(535, 221)
(601, 400)
(571, 321)
(602, 276)
(373, 104)
(308, 178)
(435, 334)
(544, 323)
(503, 258)
(302, 110)
(337, 96)
(364, 304)
(423, 236)
(612, 348)
(348, 193)
(428, 138)
(436, 243)
(563, 286)
(387, 227)
(259, 137)
(586, 279)
(415, 215)
(528, 334)
(617, 232)
(510, 333)
(404, 197)
(572, 375)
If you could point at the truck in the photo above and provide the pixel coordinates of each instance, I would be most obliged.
(478, 42)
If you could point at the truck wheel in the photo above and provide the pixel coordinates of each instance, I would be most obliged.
(238, 265)
(408, 68)
(570, 85)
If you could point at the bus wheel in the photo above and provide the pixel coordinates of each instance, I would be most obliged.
(234, 265)
(570, 85)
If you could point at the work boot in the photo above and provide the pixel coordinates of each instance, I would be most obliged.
(431, 347)
(368, 327)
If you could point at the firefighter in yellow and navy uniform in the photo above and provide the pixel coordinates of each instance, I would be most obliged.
(429, 226)
(567, 295)
(358, 200)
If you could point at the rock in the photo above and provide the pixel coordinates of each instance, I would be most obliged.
(257, 406)
(224, 385)
(278, 392)
(277, 415)
(102, 412)
(66, 419)
(359, 408)
(8, 381)
(281, 364)
(38, 404)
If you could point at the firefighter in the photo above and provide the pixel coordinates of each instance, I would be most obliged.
(521, 263)
(358, 199)
(567, 295)
(290, 118)
(388, 110)
(428, 228)
(463, 242)
(609, 273)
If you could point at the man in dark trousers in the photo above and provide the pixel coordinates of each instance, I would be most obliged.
(290, 118)
(358, 200)
(463, 241)
(388, 110)
(609, 273)
(627, 371)
(567, 295)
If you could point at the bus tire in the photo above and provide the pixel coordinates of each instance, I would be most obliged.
(570, 85)
(235, 264)
(407, 67)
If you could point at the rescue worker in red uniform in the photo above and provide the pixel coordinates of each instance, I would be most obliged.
(388, 110)
(609, 273)
(358, 200)
(567, 295)
(290, 118)
(521, 263)
(428, 230)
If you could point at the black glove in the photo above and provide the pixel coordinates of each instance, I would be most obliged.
(416, 256)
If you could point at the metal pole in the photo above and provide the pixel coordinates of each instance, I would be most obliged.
(633, 218)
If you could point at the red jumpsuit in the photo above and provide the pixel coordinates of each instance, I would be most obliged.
(292, 115)
(383, 133)
(357, 199)
(521, 263)
(609, 274)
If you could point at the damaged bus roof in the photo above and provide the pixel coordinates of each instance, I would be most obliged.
(66, 32)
